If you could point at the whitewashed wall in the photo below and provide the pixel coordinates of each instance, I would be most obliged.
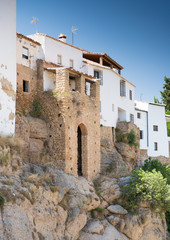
(49, 80)
(110, 95)
(34, 52)
(52, 48)
(142, 123)
(7, 66)
(156, 116)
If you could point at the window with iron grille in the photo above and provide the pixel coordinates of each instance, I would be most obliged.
(155, 128)
(131, 118)
(141, 134)
(138, 115)
(25, 52)
(122, 88)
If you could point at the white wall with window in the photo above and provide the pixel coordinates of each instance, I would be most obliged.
(110, 95)
(28, 52)
(158, 141)
(141, 120)
(7, 66)
(150, 118)
(52, 48)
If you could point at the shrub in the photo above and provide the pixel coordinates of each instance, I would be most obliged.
(36, 110)
(132, 138)
(158, 166)
(2, 201)
(147, 186)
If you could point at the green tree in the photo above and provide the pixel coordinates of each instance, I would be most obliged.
(166, 93)
(156, 100)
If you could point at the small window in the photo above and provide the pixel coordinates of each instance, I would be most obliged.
(141, 134)
(59, 59)
(138, 115)
(122, 88)
(25, 86)
(130, 94)
(155, 146)
(131, 118)
(71, 63)
(155, 128)
(99, 75)
(112, 107)
(25, 52)
(87, 88)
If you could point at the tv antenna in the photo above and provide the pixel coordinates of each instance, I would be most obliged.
(35, 21)
(74, 29)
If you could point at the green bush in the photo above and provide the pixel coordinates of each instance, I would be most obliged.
(159, 167)
(132, 138)
(168, 128)
(36, 110)
(147, 186)
(2, 201)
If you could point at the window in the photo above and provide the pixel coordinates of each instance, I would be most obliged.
(141, 134)
(155, 128)
(25, 52)
(112, 107)
(131, 118)
(99, 75)
(155, 146)
(59, 59)
(130, 94)
(138, 115)
(87, 87)
(25, 86)
(71, 63)
(122, 88)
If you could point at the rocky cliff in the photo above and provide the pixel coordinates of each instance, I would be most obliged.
(39, 202)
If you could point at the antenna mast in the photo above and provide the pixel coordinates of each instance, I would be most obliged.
(74, 29)
(36, 21)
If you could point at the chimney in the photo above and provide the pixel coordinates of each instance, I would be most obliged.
(62, 37)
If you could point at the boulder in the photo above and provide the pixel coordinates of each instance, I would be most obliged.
(108, 189)
(117, 209)
(94, 227)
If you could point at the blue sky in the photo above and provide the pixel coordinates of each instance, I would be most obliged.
(135, 33)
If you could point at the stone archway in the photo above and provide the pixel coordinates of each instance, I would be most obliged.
(81, 150)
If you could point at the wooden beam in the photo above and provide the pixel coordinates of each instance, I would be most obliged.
(101, 60)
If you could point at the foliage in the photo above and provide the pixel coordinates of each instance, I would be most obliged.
(167, 215)
(2, 201)
(147, 186)
(159, 167)
(166, 93)
(37, 109)
(156, 100)
(132, 138)
(129, 138)
(168, 128)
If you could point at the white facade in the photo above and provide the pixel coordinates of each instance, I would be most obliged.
(28, 52)
(113, 106)
(7, 66)
(53, 49)
(150, 118)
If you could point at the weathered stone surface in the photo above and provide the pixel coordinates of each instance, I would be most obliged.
(106, 144)
(110, 233)
(117, 209)
(75, 223)
(109, 189)
(113, 165)
(38, 128)
(142, 226)
(94, 227)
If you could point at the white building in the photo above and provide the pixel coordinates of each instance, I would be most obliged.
(150, 118)
(116, 93)
(7, 66)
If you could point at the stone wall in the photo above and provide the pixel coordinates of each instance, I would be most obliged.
(65, 111)
(25, 99)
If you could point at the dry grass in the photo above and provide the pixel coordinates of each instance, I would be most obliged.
(11, 141)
